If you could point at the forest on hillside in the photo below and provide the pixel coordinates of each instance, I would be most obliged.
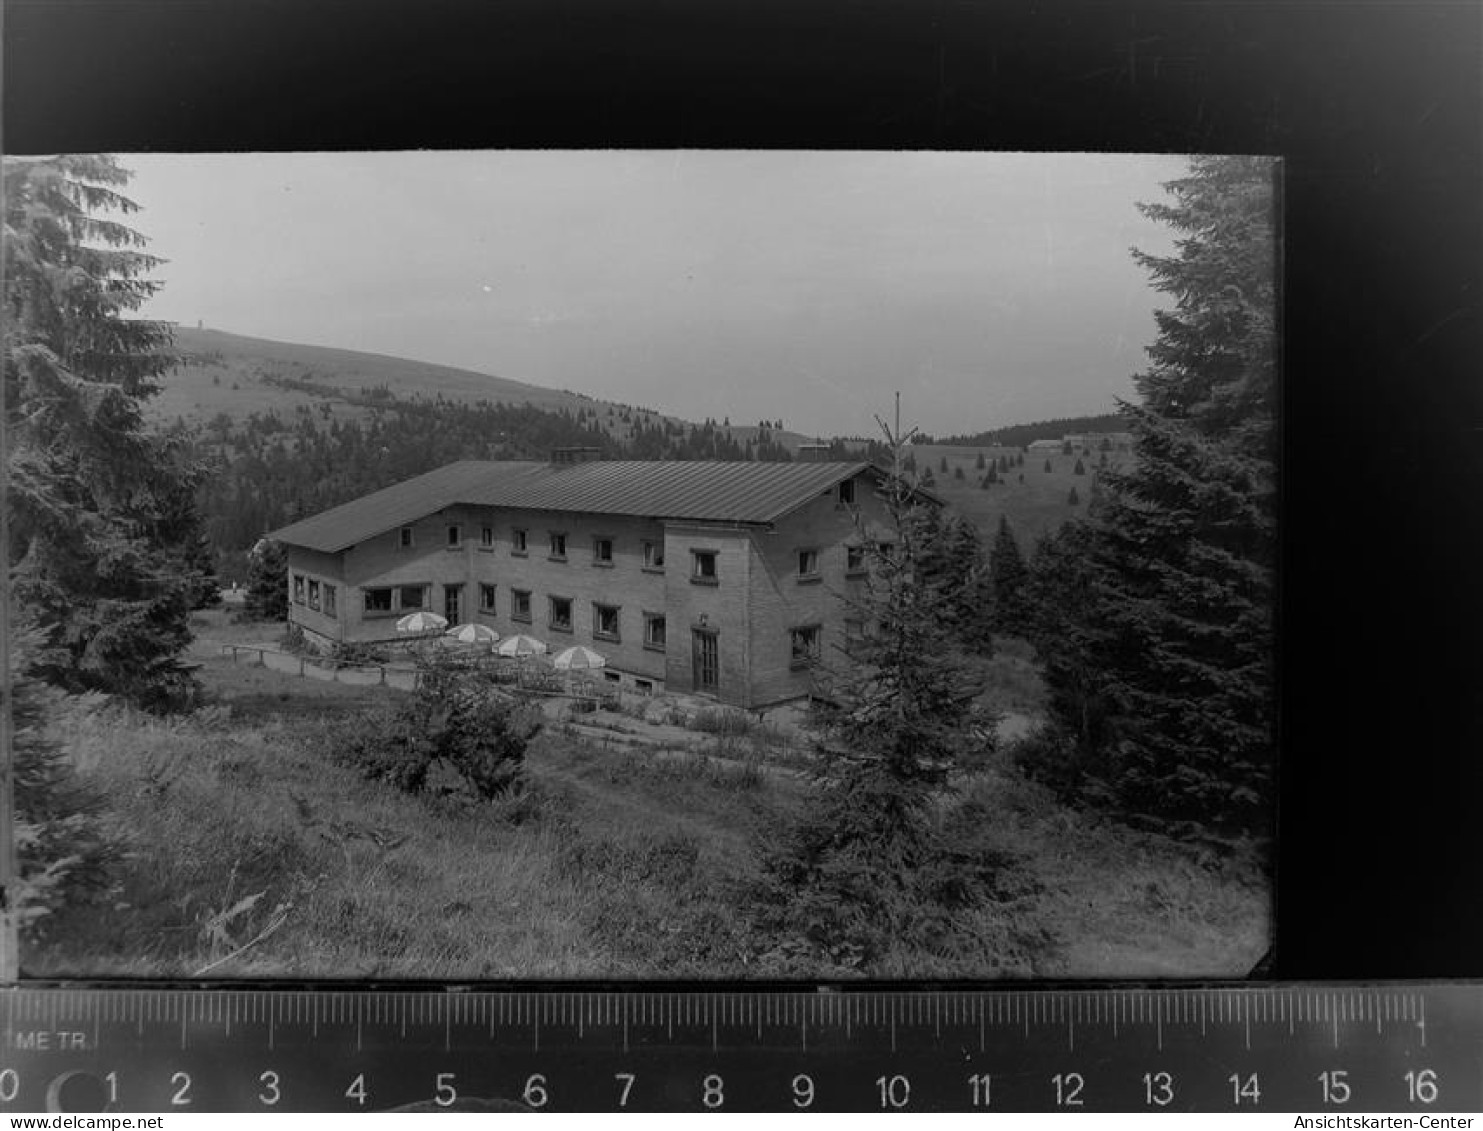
(1020, 435)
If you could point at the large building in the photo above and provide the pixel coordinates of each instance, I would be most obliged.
(719, 579)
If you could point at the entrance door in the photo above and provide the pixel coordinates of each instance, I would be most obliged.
(453, 603)
(706, 659)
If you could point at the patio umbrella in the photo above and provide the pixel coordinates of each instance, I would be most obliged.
(421, 622)
(480, 634)
(520, 645)
(577, 659)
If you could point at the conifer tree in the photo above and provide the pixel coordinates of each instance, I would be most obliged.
(1183, 547)
(1073, 499)
(101, 534)
(1079, 469)
(267, 581)
(1008, 573)
(853, 874)
(979, 463)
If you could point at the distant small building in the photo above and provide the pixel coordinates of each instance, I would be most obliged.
(723, 579)
(1045, 445)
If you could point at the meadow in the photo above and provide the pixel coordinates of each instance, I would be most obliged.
(244, 851)
(1035, 507)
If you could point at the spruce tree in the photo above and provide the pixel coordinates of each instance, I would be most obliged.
(1047, 465)
(1184, 544)
(1073, 499)
(1008, 573)
(1079, 469)
(101, 536)
(856, 872)
(267, 581)
(979, 463)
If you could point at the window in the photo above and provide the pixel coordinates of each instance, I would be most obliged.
(644, 686)
(804, 646)
(602, 551)
(612, 677)
(854, 629)
(329, 602)
(453, 603)
(486, 537)
(561, 614)
(605, 621)
(404, 538)
(847, 493)
(654, 631)
(558, 546)
(377, 601)
(703, 567)
(520, 605)
(854, 559)
(413, 597)
(653, 555)
(705, 659)
(313, 594)
(298, 589)
(455, 537)
(808, 565)
(518, 542)
(486, 598)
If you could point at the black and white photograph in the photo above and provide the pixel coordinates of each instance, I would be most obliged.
(643, 564)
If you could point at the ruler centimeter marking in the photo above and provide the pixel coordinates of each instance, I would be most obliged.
(1412, 1047)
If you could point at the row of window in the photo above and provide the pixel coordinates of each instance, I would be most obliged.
(607, 620)
(602, 546)
(702, 562)
(319, 596)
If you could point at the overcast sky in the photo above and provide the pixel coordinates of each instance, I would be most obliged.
(990, 289)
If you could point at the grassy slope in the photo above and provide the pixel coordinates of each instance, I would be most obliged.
(1034, 507)
(620, 863)
(228, 373)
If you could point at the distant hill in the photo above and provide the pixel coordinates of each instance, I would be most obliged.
(1019, 435)
(235, 375)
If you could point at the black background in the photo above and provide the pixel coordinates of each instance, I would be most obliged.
(1375, 108)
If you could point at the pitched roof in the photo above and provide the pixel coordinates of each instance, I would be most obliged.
(398, 505)
(715, 491)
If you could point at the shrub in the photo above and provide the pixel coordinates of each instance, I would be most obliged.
(352, 652)
(721, 720)
(61, 853)
(452, 722)
(1051, 756)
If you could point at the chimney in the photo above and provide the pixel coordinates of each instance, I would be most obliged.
(560, 457)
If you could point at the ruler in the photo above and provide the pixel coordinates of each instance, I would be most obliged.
(1211, 1048)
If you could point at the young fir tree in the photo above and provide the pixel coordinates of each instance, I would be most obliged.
(1008, 573)
(1079, 469)
(1185, 539)
(1073, 499)
(267, 581)
(101, 538)
(865, 867)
